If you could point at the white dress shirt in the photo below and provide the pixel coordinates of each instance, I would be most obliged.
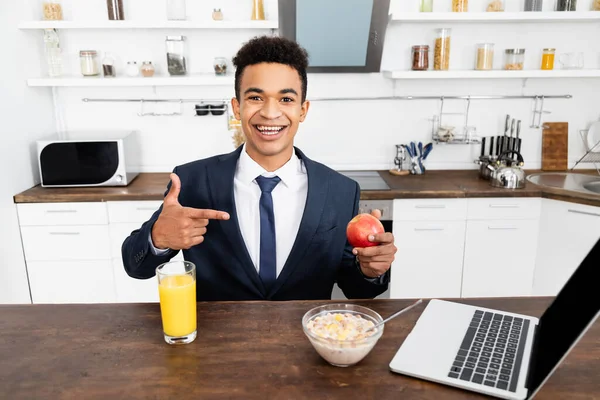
(289, 199)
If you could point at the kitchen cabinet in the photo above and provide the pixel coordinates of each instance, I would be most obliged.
(567, 233)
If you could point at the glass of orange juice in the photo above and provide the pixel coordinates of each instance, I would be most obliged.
(177, 292)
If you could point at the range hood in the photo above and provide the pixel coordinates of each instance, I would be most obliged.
(339, 35)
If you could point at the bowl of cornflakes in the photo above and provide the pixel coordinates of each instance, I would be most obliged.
(341, 333)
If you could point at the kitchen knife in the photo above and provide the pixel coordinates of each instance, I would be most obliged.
(426, 150)
(491, 146)
(509, 145)
(506, 125)
(518, 145)
(498, 147)
(482, 147)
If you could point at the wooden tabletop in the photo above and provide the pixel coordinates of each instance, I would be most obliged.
(432, 184)
(245, 350)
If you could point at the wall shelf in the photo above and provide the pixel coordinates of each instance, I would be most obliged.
(80, 81)
(556, 16)
(496, 74)
(149, 24)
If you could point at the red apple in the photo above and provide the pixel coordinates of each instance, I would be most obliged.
(359, 229)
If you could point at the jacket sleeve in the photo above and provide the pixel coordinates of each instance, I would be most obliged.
(139, 261)
(350, 279)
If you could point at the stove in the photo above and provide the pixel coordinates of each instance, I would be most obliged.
(368, 180)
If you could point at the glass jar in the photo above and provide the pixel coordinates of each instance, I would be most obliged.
(53, 53)
(426, 6)
(176, 52)
(460, 5)
(220, 66)
(566, 5)
(548, 59)
(147, 69)
(132, 69)
(533, 5)
(596, 5)
(176, 10)
(420, 58)
(441, 55)
(485, 57)
(495, 6)
(258, 10)
(108, 66)
(514, 59)
(52, 10)
(217, 14)
(115, 10)
(88, 62)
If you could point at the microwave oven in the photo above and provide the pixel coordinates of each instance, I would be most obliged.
(89, 159)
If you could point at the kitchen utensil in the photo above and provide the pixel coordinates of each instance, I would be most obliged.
(482, 147)
(405, 309)
(506, 173)
(555, 146)
(491, 146)
(518, 138)
(399, 161)
(413, 149)
(427, 149)
(511, 139)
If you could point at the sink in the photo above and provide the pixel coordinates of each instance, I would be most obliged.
(567, 181)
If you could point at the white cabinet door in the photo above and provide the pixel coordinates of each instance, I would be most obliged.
(39, 214)
(71, 281)
(567, 233)
(131, 290)
(429, 259)
(84, 242)
(499, 258)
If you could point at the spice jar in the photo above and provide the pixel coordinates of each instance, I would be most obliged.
(220, 66)
(533, 5)
(217, 15)
(115, 10)
(460, 5)
(513, 59)
(52, 10)
(596, 5)
(566, 5)
(495, 6)
(88, 62)
(426, 6)
(258, 10)
(441, 55)
(132, 69)
(108, 66)
(147, 69)
(176, 62)
(420, 58)
(485, 57)
(548, 59)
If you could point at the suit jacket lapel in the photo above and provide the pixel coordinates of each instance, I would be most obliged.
(221, 190)
(318, 187)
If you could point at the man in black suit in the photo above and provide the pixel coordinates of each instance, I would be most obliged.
(278, 229)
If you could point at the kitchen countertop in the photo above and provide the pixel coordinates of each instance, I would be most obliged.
(246, 350)
(432, 184)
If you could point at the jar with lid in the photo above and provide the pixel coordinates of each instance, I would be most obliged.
(420, 58)
(217, 14)
(115, 10)
(220, 66)
(88, 62)
(53, 52)
(495, 6)
(460, 5)
(514, 59)
(176, 10)
(566, 5)
(533, 5)
(426, 6)
(484, 60)
(596, 5)
(52, 10)
(258, 10)
(108, 66)
(441, 55)
(132, 69)
(548, 59)
(147, 69)
(176, 55)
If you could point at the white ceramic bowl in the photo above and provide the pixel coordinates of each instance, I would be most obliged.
(342, 353)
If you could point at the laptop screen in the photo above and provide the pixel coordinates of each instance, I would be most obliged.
(577, 304)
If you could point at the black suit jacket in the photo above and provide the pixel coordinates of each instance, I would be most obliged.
(319, 257)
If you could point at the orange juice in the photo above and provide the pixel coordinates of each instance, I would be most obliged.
(178, 304)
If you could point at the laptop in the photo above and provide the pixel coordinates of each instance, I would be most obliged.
(501, 354)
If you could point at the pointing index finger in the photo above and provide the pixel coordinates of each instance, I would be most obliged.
(206, 214)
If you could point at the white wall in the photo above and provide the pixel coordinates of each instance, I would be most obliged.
(26, 115)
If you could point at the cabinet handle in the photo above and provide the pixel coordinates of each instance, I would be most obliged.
(584, 213)
(146, 209)
(502, 228)
(504, 206)
(65, 233)
(60, 211)
(430, 206)
(428, 229)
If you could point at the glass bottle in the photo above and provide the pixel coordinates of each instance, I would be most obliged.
(108, 66)
(548, 59)
(147, 69)
(485, 57)
(53, 56)
(426, 6)
(441, 55)
(176, 10)
(176, 61)
(88, 62)
(420, 58)
(52, 10)
(513, 59)
(258, 10)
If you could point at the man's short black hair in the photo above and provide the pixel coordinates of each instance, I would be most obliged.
(271, 49)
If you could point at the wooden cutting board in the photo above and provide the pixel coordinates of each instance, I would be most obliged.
(555, 146)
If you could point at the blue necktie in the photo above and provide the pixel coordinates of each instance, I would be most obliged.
(268, 257)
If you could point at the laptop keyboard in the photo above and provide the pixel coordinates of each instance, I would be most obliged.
(491, 351)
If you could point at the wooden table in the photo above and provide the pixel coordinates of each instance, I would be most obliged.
(245, 350)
